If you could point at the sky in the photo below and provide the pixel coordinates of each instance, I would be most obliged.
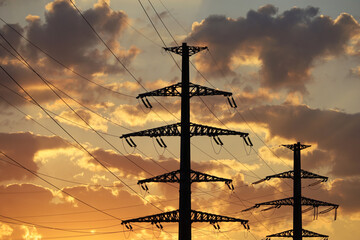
(68, 91)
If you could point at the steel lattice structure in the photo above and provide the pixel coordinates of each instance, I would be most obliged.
(297, 201)
(196, 216)
(185, 129)
(290, 174)
(304, 233)
(175, 130)
(174, 177)
(175, 91)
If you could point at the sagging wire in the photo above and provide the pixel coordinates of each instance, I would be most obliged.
(130, 229)
(218, 141)
(131, 143)
(161, 144)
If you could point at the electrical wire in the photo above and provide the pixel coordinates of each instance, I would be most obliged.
(61, 64)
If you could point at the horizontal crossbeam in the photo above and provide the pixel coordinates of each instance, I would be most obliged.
(196, 216)
(174, 177)
(293, 146)
(179, 49)
(290, 174)
(175, 130)
(290, 202)
(290, 234)
(175, 90)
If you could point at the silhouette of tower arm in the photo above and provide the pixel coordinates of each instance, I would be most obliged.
(290, 201)
(175, 130)
(175, 90)
(304, 233)
(191, 49)
(196, 216)
(290, 174)
(304, 202)
(174, 177)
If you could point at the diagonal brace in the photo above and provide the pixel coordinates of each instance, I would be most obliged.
(290, 202)
(175, 130)
(196, 216)
(174, 177)
(175, 90)
(290, 234)
(290, 174)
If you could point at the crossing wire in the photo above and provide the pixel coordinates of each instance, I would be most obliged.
(60, 63)
(68, 133)
(116, 57)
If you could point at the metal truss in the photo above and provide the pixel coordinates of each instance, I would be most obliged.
(174, 177)
(290, 174)
(175, 130)
(290, 202)
(293, 146)
(196, 216)
(305, 233)
(179, 49)
(175, 90)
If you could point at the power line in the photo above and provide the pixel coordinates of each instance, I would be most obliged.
(97, 160)
(60, 63)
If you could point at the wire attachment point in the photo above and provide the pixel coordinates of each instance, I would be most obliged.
(144, 187)
(161, 142)
(130, 142)
(218, 140)
(232, 102)
(230, 185)
(128, 226)
(146, 102)
(248, 141)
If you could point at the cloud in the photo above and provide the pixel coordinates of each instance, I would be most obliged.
(64, 34)
(22, 147)
(287, 44)
(334, 133)
(39, 205)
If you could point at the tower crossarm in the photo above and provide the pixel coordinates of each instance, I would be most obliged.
(294, 146)
(175, 130)
(203, 130)
(171, 177)
(290, 174)
(304, 233)
(290, 202)
(194, 90)
(168, 130)
(196, 216)
(179, 49)
(174, 177)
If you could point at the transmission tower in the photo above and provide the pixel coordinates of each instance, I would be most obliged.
(297, 201)
(185, 216)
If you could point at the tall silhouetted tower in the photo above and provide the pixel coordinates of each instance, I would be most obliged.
(185, 129)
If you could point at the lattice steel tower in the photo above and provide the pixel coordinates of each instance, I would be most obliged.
(297, 201)
(185, 129)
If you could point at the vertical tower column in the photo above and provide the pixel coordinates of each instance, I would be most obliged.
(297, 214)
(185, 185)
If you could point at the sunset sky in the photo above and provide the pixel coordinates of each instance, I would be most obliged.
(68, 87)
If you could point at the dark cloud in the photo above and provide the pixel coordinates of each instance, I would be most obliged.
(335, 133)
(22, 147)
(66, 36)
(287, 44)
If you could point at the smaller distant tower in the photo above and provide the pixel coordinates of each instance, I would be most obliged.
(297, 201)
